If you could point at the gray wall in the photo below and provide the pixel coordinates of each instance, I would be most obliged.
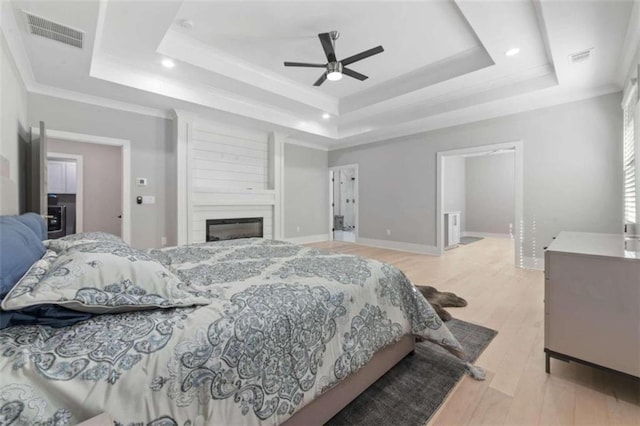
(490, 193)
(454, 187)
(150, 148)
(13, 122)
(101, 183)
(306, 191)
(572, 173)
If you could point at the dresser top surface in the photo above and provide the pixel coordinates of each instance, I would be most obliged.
(586, 243)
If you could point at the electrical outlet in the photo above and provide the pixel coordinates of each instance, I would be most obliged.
(388, 232)
(163, 241)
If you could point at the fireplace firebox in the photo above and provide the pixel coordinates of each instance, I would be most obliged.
(231, 229)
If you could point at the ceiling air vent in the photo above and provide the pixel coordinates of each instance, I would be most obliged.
(53, 30)
(580, 57)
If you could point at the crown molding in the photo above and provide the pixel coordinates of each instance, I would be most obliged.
(544, 33)
(528, 81)
(107, 68)
(480, 112)
(306, 144)
(630, 48)
(418, 80)
(56, 92)
(97, 36)
(199, 54)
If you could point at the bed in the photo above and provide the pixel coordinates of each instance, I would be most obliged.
(242, 332)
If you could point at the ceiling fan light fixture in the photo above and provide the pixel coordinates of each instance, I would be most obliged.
(334, 71)
(334, 76)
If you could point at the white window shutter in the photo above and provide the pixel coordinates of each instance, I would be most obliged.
(629, 158)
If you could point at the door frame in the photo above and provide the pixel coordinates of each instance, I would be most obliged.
(125, 144)
(356, 194)
(517, 146)
(79, 184)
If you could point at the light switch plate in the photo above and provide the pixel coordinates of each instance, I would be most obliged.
(141, 181)
(148, 199)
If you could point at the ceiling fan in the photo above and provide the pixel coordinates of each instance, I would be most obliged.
(335, 68)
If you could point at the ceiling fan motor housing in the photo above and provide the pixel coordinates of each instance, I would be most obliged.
(334, 67)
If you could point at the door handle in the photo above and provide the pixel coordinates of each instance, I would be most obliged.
(119, 216)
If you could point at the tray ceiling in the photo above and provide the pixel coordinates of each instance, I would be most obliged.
(444, 62)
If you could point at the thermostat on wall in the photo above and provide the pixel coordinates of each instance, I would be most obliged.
(141, 181)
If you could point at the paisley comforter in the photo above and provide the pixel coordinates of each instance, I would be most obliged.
(285, 323)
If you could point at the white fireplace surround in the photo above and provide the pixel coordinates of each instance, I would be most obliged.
(226, 172)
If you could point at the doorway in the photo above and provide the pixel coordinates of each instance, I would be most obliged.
(105, 165)
(491, 202)
(64, 193)
(343, 202)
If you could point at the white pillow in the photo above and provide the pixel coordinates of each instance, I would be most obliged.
(61, 244)
(100, 277)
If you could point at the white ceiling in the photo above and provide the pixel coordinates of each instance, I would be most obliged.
(443, 63)
(265, 34)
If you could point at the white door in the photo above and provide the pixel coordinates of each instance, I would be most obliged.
(343, 201)
(36, 182)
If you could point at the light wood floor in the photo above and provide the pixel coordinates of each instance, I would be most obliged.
(510, 300)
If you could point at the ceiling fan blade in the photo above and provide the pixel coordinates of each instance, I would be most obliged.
(321, 80)
(327, 45)
(354, 74)
(362, 55)
(304, 64)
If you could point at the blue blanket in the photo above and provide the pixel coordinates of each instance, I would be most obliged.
(50, 315)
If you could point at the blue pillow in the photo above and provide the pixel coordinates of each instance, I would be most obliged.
(20, 248)
(36, 223)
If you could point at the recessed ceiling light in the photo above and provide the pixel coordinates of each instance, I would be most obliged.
(326, 116)
(168, 63)
(512, 52)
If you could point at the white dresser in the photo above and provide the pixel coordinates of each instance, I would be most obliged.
(592, 301)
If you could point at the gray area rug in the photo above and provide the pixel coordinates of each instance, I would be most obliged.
(412, 391)
(469, 240)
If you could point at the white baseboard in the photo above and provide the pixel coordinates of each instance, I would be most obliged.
(536, 263)
(401, 246)
(309, 239)
(484, 234)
